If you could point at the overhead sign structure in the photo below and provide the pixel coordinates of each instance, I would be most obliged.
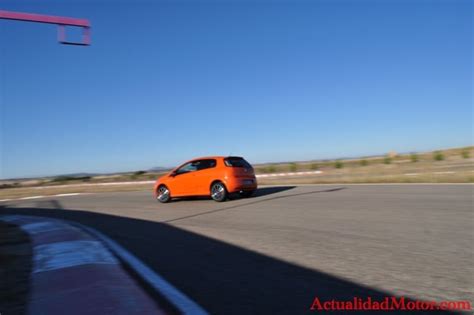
(60, 21)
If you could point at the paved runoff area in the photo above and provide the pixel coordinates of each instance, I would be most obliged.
(274, 253)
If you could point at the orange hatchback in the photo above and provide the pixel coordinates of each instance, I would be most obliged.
(214, 176)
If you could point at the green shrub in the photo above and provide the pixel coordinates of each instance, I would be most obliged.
(414, 157)
(314, 166)
(465, 154)
(12, 185)
(338, 164)
(137, 174)
(438, 156)
(363, 162)
(269, 169)
(387, 160)
(62, 179)
(293, 167)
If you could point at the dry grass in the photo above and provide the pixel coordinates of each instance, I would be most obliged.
(423, 178)
(453, 169)
(402, 169)
(423, 159)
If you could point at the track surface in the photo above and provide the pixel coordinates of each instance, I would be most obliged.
(272, 254)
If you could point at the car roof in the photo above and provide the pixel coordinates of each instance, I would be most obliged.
(215, 157)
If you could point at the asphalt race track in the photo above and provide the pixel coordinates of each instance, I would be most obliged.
(273, 253)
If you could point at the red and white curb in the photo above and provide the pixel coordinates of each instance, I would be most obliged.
(45, 196)
(152, 182)
(82, 268)
(99, 184)
(139, 182)
(183, 303)
(144, 182)
(433, 173)
(289, 174)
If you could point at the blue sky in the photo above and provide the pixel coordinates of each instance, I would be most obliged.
(166, 81)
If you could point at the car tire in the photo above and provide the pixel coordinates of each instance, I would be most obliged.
(247, 193)
(218, 192)
(163, 194)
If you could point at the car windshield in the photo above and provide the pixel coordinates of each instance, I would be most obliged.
(237, 162)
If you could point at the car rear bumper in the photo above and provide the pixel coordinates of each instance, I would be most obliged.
(236, 185)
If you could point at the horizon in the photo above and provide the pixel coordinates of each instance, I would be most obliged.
(166, 168)
(272, 82)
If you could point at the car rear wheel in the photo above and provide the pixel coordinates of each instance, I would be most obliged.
(247, 193)
(218, 192)
(163, 194)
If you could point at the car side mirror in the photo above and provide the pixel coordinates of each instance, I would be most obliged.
(173, 174)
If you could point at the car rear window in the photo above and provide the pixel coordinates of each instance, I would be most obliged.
(236, 162)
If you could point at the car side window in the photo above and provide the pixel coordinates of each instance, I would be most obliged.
(196, 166)
(205, 164)
(186, 168)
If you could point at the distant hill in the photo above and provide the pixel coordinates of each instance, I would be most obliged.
(159, 169)
(73, 175)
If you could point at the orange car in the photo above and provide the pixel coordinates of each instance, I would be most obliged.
(214, 176)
